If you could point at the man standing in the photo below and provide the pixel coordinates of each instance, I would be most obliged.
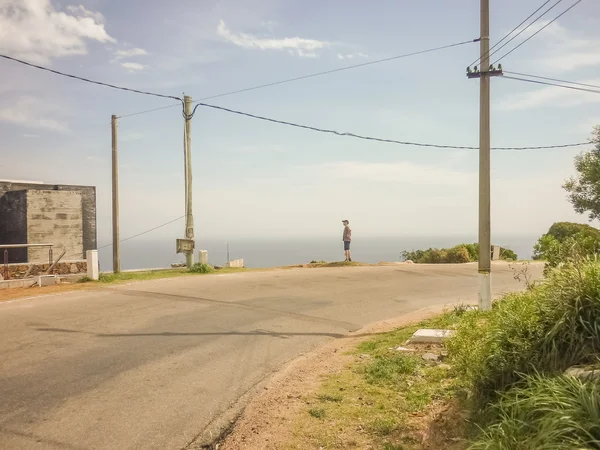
(347, 239)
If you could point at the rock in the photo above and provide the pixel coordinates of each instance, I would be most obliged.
(404, 349)
(409, 261)
(584, 373)
(430, 357)
(74, 268)
(445, 366)
(363, 356)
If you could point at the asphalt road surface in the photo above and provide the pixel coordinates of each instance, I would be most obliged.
(150, 365)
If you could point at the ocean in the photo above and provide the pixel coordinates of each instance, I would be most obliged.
(160, 253)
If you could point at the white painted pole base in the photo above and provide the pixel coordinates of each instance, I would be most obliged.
(485, 291)
(93, 271)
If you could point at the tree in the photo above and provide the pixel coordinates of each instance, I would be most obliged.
(584, 189)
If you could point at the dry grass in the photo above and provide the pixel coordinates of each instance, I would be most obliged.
(384, 399)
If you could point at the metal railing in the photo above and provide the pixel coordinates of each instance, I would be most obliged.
(6, 247)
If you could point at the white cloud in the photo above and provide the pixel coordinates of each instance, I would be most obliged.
(133, 66)
(352, 55)
(295, 45)
(35, 31)
(559, 49)
(401, 172)
(32, 112)
(121, 54)
(548, 96)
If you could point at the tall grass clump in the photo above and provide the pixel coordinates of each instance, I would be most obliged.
(544, 330)
(549, 413)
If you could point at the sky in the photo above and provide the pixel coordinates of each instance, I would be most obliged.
(257, 179)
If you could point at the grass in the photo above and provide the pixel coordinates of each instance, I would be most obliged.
(374, 401)
(546, 329)
(545, 413)
(109, 278)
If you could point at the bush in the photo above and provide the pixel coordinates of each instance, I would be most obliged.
(458, 254)
(546, 413)
(547, 329)
(462, 253)
(201, 268)
(566, 241)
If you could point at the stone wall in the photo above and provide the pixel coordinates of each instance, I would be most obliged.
(16, 271)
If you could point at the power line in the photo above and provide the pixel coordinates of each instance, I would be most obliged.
(553, 84)
(312, 75)
(512, 31)
(552, 79)
(538, 31)
(87, 80)
(369, 138)
(144, 232)
(527, 27)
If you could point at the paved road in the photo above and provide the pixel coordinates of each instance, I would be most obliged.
(149, 365)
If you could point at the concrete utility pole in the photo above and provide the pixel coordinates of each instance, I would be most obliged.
(189, 218)
(485, 245)
(115, 198)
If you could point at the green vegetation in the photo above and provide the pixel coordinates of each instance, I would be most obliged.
(566, 241)
(462, 253)
(201, 268)
(109, 277)
(511, 361)
(545, 413)
(584, 189)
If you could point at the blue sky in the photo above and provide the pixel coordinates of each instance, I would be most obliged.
(256, 179)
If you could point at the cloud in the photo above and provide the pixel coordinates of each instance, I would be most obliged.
(35, 31)
(400, 172)
(295, 45)
(352, 55)
(549, 96)
(133, 66)
(562, 49)
(32, 112)
(133, 52)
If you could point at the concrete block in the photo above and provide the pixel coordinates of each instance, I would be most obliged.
(238, 263)
(47, 280)
(429, 336)
(495, 252)
(203, 257)
(93, 271)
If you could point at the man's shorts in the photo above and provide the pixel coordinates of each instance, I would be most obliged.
(346, 245)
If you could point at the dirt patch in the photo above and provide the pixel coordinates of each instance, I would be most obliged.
(36, 291)
(268, 420)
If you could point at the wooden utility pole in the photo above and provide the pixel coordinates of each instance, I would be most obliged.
(189, 218)
(115, 198)
(485, 244)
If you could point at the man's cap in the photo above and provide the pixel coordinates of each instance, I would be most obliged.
(345, 221)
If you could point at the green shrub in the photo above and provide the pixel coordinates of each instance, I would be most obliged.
(458, 255)
(546, 329)
(545, 413)
(508, 255)
(201, 268)
(566, 241)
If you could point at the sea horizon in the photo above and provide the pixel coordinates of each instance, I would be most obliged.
(275, 252)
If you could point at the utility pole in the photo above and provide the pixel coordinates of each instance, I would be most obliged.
(485, 244)
(115, 198)
(189, 218)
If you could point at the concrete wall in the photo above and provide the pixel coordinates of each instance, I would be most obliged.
(54, 217)
(11, 222)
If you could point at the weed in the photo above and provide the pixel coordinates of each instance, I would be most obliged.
(390, 369)
(545, 413)
(317, 413)
(384, 427)
(201, 268)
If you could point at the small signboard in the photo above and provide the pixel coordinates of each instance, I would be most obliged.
(185, 245)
